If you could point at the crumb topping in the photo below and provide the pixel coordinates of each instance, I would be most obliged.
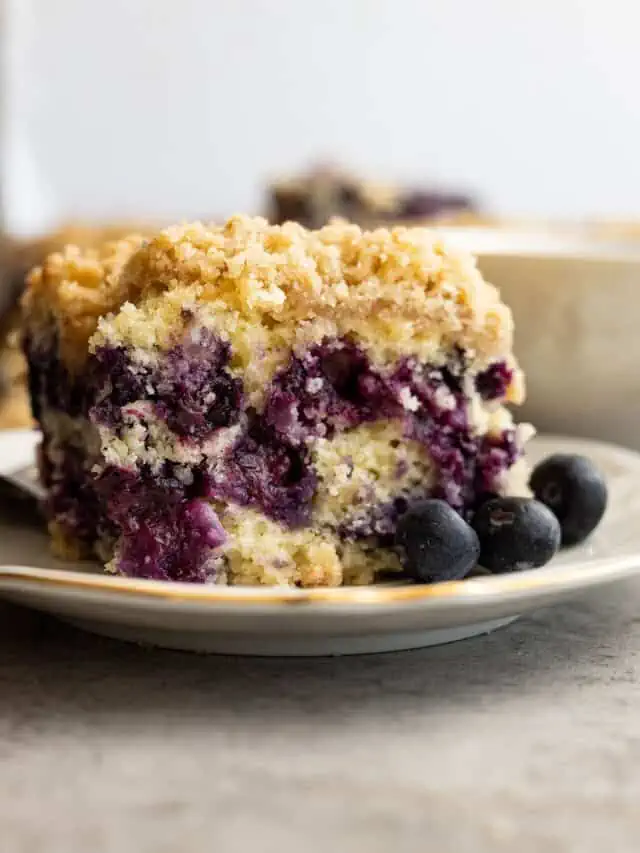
(396, 289)
(401, 282)
(74, 288)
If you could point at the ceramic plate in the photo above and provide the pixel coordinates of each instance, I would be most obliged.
(293, 622)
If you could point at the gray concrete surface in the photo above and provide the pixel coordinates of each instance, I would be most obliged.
(527, 740)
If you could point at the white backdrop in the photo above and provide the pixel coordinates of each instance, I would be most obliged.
(186, 107)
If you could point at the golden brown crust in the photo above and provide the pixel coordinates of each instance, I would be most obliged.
(75, 288)
(17, 257)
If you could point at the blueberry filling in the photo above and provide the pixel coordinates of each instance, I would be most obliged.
(166, 533)
(50, 383)
(496, 454)
(439, 422)
(116, 383)
(334, 387)
(379, 522)
(330, 389)
(165, 526)
(190, 388)
(492, 383)
(260, 470)
(71, 495)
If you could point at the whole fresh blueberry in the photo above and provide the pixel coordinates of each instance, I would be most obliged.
(575, 492)
(436, 544)
(515, 534)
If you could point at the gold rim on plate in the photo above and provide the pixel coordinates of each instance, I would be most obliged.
(534, 579)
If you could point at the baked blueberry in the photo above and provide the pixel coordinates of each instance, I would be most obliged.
(516, 534)
(436, 544)
(575, 492)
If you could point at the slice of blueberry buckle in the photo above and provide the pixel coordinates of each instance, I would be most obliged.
(257, 404)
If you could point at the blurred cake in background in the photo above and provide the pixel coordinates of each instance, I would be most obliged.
(17, 257)
(315, 197)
